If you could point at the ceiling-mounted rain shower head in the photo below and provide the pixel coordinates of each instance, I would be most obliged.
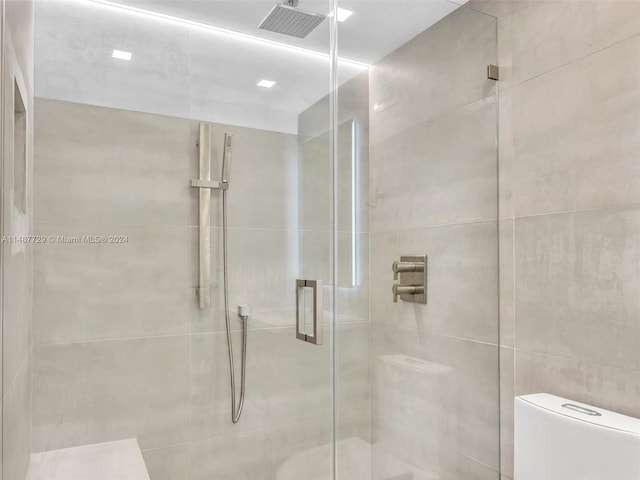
(288, 20)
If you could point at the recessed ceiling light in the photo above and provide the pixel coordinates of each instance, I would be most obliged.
(266, 83)
(343, 14)
(122, 55)
(217, 30)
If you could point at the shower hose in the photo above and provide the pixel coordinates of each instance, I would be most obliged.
(236, 410)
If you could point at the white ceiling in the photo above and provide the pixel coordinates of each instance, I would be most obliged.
(184, 71)
(376, 28)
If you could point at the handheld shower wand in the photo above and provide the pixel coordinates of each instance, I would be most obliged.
(204, 184)
(243, 310)
(226, 158)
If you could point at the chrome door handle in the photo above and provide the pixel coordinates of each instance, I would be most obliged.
(318, 319)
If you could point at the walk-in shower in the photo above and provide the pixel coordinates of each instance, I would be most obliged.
(349, 150)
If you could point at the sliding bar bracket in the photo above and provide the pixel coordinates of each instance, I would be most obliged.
(211, 185)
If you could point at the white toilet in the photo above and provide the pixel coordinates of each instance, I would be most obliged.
(559, 439)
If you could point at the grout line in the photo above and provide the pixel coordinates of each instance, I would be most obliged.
(263, 429)
(436, 225)
(480, 462)
(569, 359)
(40, 346)
(623, 206)
(471, 7)
(572, 62)
(82, 224)
(439, 335)
(420, 124)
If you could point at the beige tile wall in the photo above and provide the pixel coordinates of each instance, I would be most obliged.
(121, 349)
(434, 178)
(569, 204)
(17, 258)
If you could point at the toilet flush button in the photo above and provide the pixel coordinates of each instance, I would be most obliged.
(579, 409)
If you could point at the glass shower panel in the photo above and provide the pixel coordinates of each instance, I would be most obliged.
(427, 150)
(122, 348)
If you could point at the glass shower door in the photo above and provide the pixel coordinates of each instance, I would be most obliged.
(425, 154)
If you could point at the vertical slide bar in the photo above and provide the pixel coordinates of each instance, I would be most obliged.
(204, 288)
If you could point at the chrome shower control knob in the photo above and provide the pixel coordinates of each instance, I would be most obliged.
(406, 290)
(401, 267)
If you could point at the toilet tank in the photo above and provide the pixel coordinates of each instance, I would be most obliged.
(559, 439)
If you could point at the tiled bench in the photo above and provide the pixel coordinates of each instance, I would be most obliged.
(121, 460)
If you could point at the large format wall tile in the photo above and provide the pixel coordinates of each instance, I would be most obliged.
(439, 70)
(16, 424)
(605, 387)
(353, 268)
(100, 391)
(442, 393)
(568, 141)
(353, 155)
(262, 273)
(114, 177)
(260, 454)
(103, 291)
(121, 390)
(577, 278)
(507, 282)
(281, 388)
(352, 377)
(434, 191)
(15, 331)
(438, 172)
(353, 279)
(398, 453)
(263, 178)
(314, 180)
(462, 264)
(575, 134)
(287, 380)
(16, 327)
(505, 155)
(169, 463)
(112, 166)
(542, 35)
